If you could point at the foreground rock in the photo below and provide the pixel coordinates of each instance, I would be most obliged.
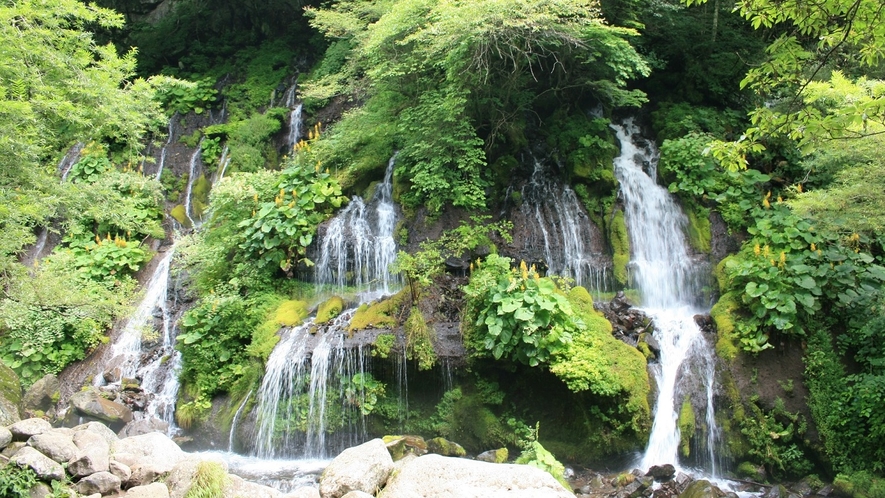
(361, 468)
(91, 404)
(434, 476)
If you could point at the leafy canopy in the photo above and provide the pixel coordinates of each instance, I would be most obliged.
(453, 79)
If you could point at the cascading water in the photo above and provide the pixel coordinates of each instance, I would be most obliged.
(169, 139)
(194, 166)
(294, 126)
(71, 158)
(358, 245)
(560, 225)
(308, 403)
(670, 282)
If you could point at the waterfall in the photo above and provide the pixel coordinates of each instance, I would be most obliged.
(233, 423)
(295, 122)
(193, 169)
(169, 139)
(669, 281)
(222, 164)
(71, 158)
(308, 405)
(304, 397)
(560, 225)
(358, 245)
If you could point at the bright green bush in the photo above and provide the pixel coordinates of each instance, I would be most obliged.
(516, 314)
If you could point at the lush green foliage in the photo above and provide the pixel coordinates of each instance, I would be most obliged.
(16, 482)
(363, 391)
(456, 79)
(516, 314)
(279, 231)
(423, 266)
(184, 96)
(773, 438)
(534, 454)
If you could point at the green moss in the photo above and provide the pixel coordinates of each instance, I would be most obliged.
(291, 313)
(180, 215)
(699, 229)
(209, 481)
(444, 447)
(597, 362)
(748, 470)
(720, 274)
(501, 455)
(380, 314)
(643, 348)
(686, 424)
(620, 242)
(10, 385)
(328, 310)
(723, 314)
(419, 344)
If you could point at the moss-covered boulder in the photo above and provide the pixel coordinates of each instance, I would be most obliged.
(329, 309)
(380, 314)
(291, 313)
(686, 425)
(10, 396)
(494, 456)
(444, 447)
(400, 446)
(597, 362)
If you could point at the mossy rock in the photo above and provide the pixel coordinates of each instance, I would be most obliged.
(699, 230)
(494, 456)
(686, 424)
(751, 471)
(378, 315)
(10, 395)
(620, 242)
(400, 446)
(329, 309)
(180, 215)
(724, 316)
(291, 313)
(444, 447)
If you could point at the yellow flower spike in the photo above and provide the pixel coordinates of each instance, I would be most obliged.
(292, 204)
(108, 236)
(471, 267)
(765, 203)
(757, 250)
(97, 239)
(255, 198)
(813, 247)
(524, 269)
(765, 250)
(773, 263)
(282, 192)
(253, 213)
(768, 195)
(128, 234)
(783, 260)
(799, 187)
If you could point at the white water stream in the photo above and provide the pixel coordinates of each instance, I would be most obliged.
(669, 281)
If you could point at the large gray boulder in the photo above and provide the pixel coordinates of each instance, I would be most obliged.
(434, 476)
(152, 448)
(5, 437)
(10, 396)
(153, 490)
(361, 468)
(42, 395)
(93, 454)
(24, 429)
(303, 492)
(91, 404)
(45, 468)
(103, 483)
(57, 445)
(100, 429)
(357, 494)
(143, 426)
(237, 487)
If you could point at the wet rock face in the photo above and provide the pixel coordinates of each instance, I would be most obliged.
(628, 323)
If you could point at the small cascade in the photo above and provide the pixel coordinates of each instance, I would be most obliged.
(295, 122)
(233, 423)
(169, 139)
(670, 283)
(307, 403)
(126, 350)
(358, 245)
(223, 162)
(71, 158)
(560, 225)
(195, 166)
